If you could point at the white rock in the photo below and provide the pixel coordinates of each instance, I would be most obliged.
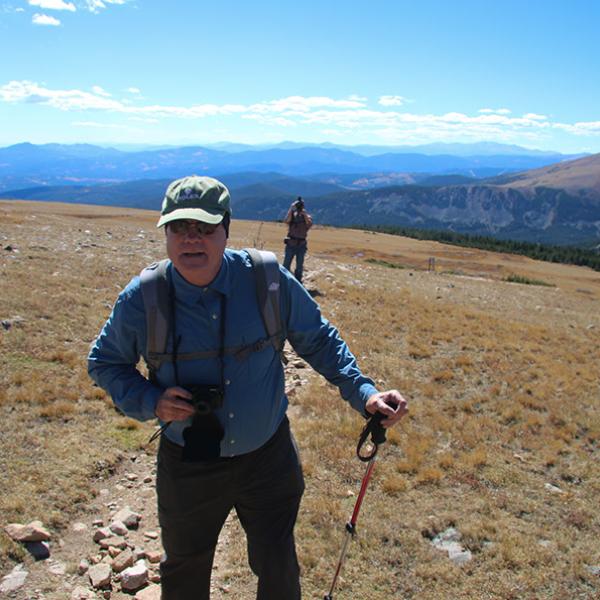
(594, 570)
(100, 575)
(128, 517)
(57, 568)
(449, 535)
(118, 527)
(135, 577)
(460, 556)
(79, 526)
(14, 580)
(448, 541)
(553, 489)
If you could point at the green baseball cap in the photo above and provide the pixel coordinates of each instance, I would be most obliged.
(194, 197)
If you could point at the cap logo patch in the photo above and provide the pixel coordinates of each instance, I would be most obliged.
(188, 194)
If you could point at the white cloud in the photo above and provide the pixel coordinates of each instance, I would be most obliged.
(96, 125)
(535, 117)
(100, 91)
(144, 120)
(53, 5)
(30, 92)
(134, 90)
(496, 111)
(302, 104)
(39, 19)
(96, 6)
(392, 100)
(349, 116)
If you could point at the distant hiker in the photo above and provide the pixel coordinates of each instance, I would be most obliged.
(299, 222)
(216, 384)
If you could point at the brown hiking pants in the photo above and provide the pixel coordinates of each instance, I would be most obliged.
(264, 487)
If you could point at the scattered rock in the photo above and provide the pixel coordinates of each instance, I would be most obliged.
(83, 567)
(81, 593)
(100, 575)
(79, 526)
(134, 577)
(152, 535)
(154, 576)
(32, 532)
(57, 568)
(594, 570)
(123, 560)
(14, 580)
(152, 592)
(153, 556)
(115, 541)
(118, 527)
(101, 534)
(128, 517)
(448, 541)
(553, 488)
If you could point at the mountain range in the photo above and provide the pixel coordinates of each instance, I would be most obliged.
(557, 203)
(27, 165)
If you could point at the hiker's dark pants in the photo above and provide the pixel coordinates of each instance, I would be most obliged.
(194, 499)
(298, 252)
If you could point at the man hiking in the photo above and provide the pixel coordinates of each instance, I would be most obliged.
(299, 222)
(217, 387)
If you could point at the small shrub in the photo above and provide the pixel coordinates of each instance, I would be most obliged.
(512, 278)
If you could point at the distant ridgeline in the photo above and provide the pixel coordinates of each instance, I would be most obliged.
(558, 254)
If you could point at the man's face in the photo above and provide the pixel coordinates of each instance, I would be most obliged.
(196, 255)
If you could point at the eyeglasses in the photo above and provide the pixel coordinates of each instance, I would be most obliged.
(181, 227)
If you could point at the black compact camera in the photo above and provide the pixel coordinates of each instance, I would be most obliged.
(299, 204)
(206, 398)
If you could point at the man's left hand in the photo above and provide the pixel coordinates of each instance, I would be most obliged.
(391, 403)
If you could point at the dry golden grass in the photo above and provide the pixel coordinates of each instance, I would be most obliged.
(503, 381)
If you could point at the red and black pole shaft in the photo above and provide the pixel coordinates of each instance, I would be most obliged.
(375, 428)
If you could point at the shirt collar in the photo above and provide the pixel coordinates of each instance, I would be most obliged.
(221, 283)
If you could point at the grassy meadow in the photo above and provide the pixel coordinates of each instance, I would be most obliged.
(498, 355)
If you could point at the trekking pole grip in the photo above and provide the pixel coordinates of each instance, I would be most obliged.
(377, 431)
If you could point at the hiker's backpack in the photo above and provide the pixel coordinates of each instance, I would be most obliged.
(157, 303)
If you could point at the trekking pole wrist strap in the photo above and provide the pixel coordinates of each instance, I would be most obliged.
(377, 431)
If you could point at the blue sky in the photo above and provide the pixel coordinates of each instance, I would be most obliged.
(384, 72)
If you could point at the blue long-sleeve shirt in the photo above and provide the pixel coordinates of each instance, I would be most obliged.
(255, 402)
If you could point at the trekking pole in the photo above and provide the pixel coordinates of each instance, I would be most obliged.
(375, 428)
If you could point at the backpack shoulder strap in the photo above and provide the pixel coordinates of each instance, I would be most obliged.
(267, 277)
(155, 292)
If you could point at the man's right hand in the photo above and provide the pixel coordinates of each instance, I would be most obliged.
(172, 405)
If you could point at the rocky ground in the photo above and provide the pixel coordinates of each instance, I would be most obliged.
(113, 549)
